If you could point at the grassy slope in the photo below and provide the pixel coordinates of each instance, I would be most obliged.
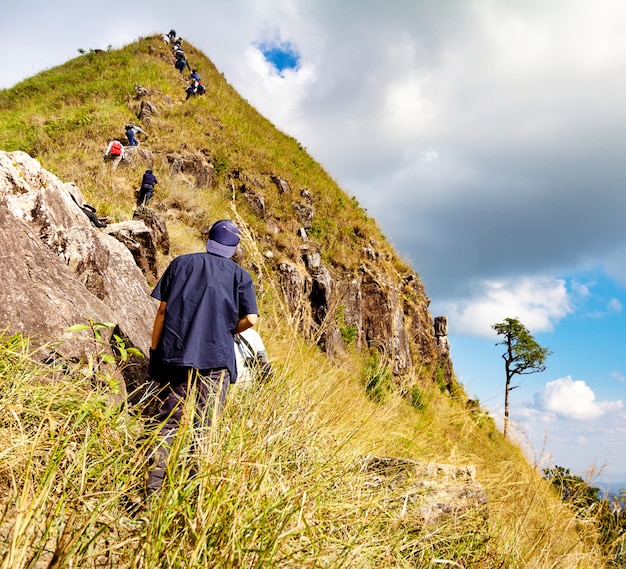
(279, 484)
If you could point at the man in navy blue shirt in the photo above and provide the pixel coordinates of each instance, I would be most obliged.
(148, 181)
(206, 298)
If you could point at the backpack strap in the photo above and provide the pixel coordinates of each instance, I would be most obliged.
(246, 346)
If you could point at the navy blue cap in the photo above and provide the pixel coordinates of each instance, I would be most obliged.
(223, 238)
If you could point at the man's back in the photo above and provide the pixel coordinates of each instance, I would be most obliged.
(148, 179)
(206, 295)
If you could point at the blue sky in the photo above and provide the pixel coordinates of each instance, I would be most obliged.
(280, 55)
(487, 139)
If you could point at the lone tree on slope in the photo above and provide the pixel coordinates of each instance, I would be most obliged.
(523, 355)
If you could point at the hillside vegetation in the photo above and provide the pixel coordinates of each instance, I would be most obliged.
(280, 480)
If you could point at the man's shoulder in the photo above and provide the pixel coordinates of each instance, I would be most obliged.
(244, 274)
(203, 258)
(188, 258)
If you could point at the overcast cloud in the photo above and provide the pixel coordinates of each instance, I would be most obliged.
(485, 137)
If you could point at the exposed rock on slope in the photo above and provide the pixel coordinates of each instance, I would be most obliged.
(369, 309)
(59, 270)
(426, 493)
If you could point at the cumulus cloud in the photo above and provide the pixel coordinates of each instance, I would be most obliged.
(571, 399)
(584, 433)
(537, 302)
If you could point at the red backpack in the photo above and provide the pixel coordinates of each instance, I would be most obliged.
(116, 148)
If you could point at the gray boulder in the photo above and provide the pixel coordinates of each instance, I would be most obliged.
(60, 270)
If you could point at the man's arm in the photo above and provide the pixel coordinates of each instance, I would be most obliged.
(244, 323)
(157, 329)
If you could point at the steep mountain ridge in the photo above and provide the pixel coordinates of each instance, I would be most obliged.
(341, 278)
(326, 277)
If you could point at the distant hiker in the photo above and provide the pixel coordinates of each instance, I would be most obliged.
(181, 63)
(206, 299)
(114, 153)
(166, 38)
(191, 89)
(147, 187)
(90, 212)
(131, 130)
(196, 87)
(172, 35)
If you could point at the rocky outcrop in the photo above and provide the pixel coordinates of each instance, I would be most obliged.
(373, 307)
(255, 200)
(441, 334)
(139, 240)
(368, 309)
(304, 213)
(59, 270)
(157, 226)
(193, 166)
(424, 493)
(282, 185)
(41, 297)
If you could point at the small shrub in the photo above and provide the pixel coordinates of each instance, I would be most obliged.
(348, 332)
(378, 378)
(440, 378)
(220, 163)
(417, 398)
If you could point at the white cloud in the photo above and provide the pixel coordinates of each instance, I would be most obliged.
(537, 302)
(614, 306)
(567, 426)
(280, 92)
(571, 399)
(619, 376)
(582, 290)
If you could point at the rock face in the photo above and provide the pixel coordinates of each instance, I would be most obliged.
(157, 227)
(58, 269)
(369, 309)
(139, 240)
(195, 166)
(425, 493)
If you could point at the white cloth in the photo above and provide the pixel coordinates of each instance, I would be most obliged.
(241, 353)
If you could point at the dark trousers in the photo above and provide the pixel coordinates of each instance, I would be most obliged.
(145, 193)
(210, 387)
